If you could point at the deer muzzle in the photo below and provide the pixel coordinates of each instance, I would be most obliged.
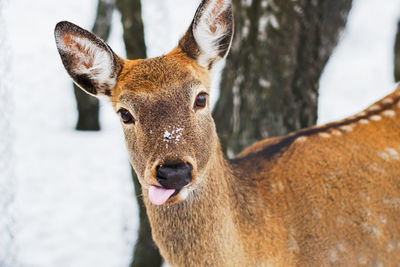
(172, 178)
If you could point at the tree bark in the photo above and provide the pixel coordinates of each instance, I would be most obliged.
(131, 16)
(88, 106)
(146, 253)
(271, 79)
(397, 55)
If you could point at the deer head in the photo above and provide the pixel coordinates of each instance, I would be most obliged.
(162, 102)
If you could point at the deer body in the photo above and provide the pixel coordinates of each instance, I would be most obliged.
(325, 199)
(324, 196)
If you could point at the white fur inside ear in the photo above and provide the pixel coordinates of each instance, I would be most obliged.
(88, 58)
(210, 28)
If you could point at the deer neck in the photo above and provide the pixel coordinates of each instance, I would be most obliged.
(200, 230)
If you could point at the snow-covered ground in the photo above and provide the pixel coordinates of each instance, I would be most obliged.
(72, 210)
(74, 196)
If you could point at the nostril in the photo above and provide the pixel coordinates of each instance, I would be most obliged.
(174, 176)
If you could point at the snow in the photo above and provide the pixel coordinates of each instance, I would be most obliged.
(7, 181)
(74, 196)
(174, 135)
(361, 69)
(74, 193)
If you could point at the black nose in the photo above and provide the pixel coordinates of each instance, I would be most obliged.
(174, 176)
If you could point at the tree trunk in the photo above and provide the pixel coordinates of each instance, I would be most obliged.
(88, 106)
(397, 55)
(131, 16)
(271, 79)
(145, 253)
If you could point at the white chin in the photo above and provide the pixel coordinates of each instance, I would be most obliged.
(184, 193)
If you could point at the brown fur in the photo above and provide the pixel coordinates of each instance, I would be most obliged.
(328, 195)
(324, 196)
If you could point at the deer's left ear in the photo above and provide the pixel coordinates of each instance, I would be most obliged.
(89, 60)
(210, 35)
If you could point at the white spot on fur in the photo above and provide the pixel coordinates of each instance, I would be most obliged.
(376, 231)
(364, 121)
(387, 101)
(382, 219)
(367, 212)
(352, 117)
(341, 246)
(365, 196)
(383, 155)
(374, 108)
(301, 139)
(362, 259)
(371, 229)
(389, 113)
(393, 153)
(278, 186)
(292, 244)
(346, 128)
(390, 247)
(316, 214)
(376, 118)
(210, 29)
(333, 255)
(324, 135)
(339, 220)
(375, 167)
(336, 132)
(392, 203)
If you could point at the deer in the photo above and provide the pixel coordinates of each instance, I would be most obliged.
(328, 195)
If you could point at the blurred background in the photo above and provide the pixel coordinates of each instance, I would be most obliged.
(66, 191)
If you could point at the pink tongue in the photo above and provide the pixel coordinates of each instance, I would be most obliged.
(158, 195)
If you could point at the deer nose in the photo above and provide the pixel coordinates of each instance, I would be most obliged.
(174, 176)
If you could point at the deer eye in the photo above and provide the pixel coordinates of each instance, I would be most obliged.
(201, 101)
(126, 116)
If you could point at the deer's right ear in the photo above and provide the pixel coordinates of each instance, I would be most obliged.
(90, 62)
